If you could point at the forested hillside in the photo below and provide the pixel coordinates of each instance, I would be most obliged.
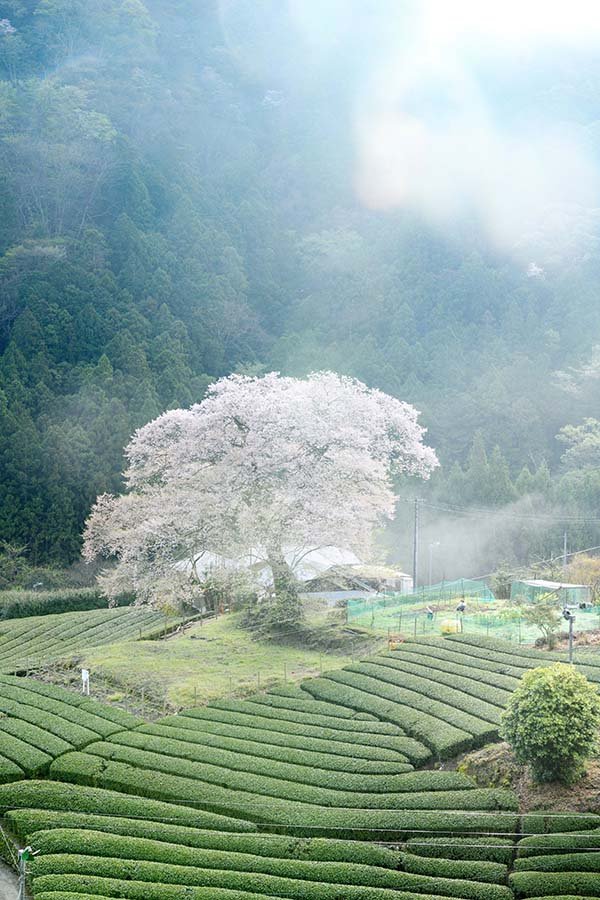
(178, 201)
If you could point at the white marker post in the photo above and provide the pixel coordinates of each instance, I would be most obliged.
(24, 856)
(85, 682)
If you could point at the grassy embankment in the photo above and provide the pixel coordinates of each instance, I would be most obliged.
(216, 659)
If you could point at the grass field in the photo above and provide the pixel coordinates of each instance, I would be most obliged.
(290, 793)
(212, 660)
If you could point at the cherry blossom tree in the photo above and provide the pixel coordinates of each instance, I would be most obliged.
(263, 468)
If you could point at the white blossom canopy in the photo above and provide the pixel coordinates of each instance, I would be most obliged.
(261, 463)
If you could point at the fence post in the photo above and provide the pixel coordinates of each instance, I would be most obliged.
(415, 626)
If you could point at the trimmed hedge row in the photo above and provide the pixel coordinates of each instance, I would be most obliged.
(220, 734)
(338, 776)
(302, 703)
(441, 649)
(492, 872)
(303, 718)
(504, 652)
(589, 659)
(561, 862)
(275, 814)
(97, 725)
(430, 689)
(445, 740)
(27, 641)
(492, 849)
(293, 879)
(9, 770)
(203, 718)
(534, 884)
(35, 736)
(98, 709)
(454, 676)
(74, 734)
(47, 889)
(26, 823)
(559, 843)
(19, 604)
(436, 724)
(437, 657)
(539, 824)
(210, 780)
(53, 795)
(30, 759)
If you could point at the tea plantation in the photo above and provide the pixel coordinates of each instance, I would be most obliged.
(40, 639)
(330, 790)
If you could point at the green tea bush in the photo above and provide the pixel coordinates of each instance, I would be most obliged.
(305, 718)
(461, 680)
(492, 848)
(74, 734)
(536, 824)
(9, 770)
(52, 691)
(287, 878)
(561, 862)
(217, 734)
(427, 720)
(445, 650)
(444, 660)
(552, 722)
(214, 744)
(34, 735)
(537, 884)
(50, 887)
(333, 791)
(309, 770)
(19, 604)
(492, 872)
(26, 823)
(302, 703)
(425, 684)
(276, 813)
(202, 719)
(30, 759)
(52, 795)
(559, 843)
(21, 694)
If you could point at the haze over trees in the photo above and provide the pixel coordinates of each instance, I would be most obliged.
(262, 470)
(187, 193)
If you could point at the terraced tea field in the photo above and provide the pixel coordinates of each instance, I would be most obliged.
(289, 794)
(27, 642)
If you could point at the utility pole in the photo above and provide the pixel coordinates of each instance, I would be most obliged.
(416, 546)
(564, 551)
(430, 571)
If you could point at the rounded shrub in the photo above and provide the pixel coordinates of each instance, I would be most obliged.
(552, 722)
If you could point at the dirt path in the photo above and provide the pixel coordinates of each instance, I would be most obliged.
(8, 883)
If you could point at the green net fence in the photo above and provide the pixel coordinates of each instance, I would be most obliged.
(432, 610)
(535, 591)
(383, 610)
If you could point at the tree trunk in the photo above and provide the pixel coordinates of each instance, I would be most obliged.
(288, 605)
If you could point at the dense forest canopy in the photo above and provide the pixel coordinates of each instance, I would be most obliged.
(190, 189)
